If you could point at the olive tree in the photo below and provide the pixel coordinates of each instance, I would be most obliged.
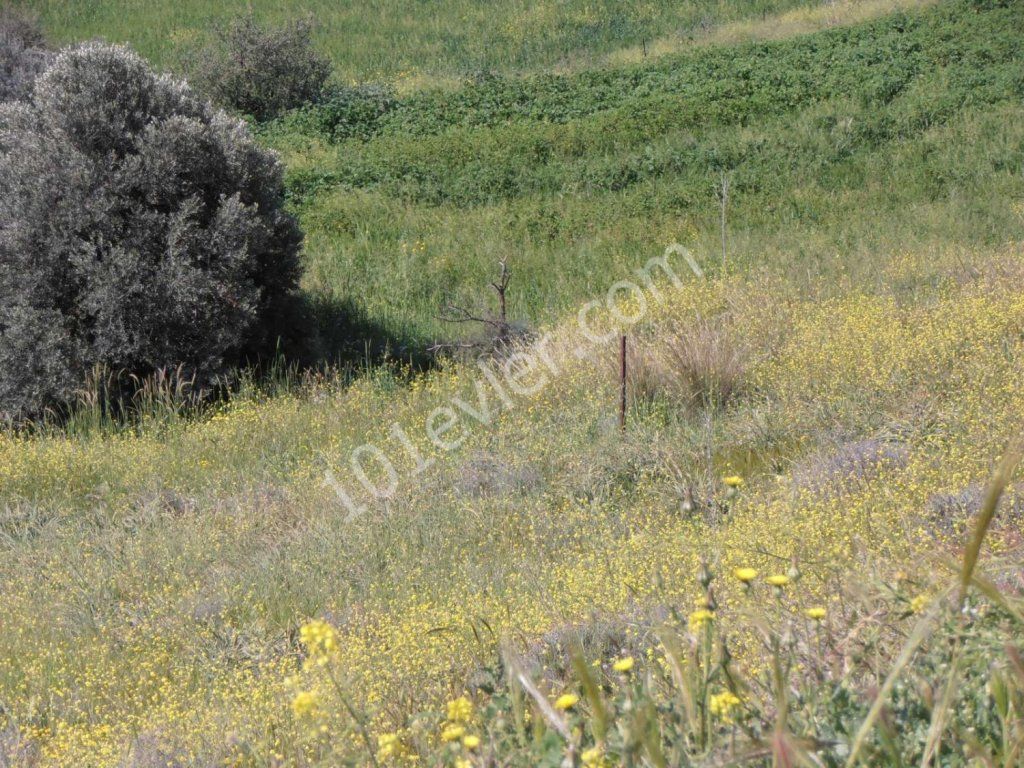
(23, 53)
(262, 71)
(139, 229)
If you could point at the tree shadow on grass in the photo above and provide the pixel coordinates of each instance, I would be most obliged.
(340, 334)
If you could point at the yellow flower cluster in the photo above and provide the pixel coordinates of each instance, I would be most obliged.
(305, 704)
(320, 640)
(389, 745)
(208, 568)
(623, 665)
(452, 732)
(723, 704)
(919, 603)
(459, 715)
(460, 710)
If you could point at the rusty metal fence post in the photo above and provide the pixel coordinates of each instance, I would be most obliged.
(622, 382)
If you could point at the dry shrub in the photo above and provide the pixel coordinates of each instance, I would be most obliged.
(645, 378)
(950, 513)
(22, 520)
(700, 363)
(947, 513)
(991, 270)
(707, 364)
(600, 636)
(156, 749)
(151, 750)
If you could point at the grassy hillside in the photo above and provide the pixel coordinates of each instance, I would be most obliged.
(826, 407)
(406, 40)
(896, 133)
(155, 582)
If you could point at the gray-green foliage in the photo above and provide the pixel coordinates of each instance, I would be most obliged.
(263, 71)
(23, 53)
(139, 228)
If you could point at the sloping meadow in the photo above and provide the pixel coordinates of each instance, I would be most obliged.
(903, 132)
(822, 403)
(155, 582)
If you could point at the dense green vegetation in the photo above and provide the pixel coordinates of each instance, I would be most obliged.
(901, 132)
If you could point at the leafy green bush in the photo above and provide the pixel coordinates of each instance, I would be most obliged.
(262, 72)
(139, 229)
(354, 112)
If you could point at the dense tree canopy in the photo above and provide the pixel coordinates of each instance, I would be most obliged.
(139, 228)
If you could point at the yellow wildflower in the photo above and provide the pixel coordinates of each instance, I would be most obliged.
(746, 575)
(460, 710)
(452, 732)
(388, 745)
(593, 758)
(471, 741)
(566, 701)
(817, 613)
(919, 603)
(699, 618)
(722, 704)
(733, 481)
(623, 665)
(305, 703)
(319, 639)
(778, 580)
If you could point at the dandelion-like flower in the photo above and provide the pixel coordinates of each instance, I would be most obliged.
(593, 758)
(624, 665)
(746, 575)
(919, 603)
(778, 580)
(699, 618)
(732, 481)
(817, 613)
(472, 741)
(566, 701)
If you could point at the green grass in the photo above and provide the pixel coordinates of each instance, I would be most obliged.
(398, 39)
(902, 132)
